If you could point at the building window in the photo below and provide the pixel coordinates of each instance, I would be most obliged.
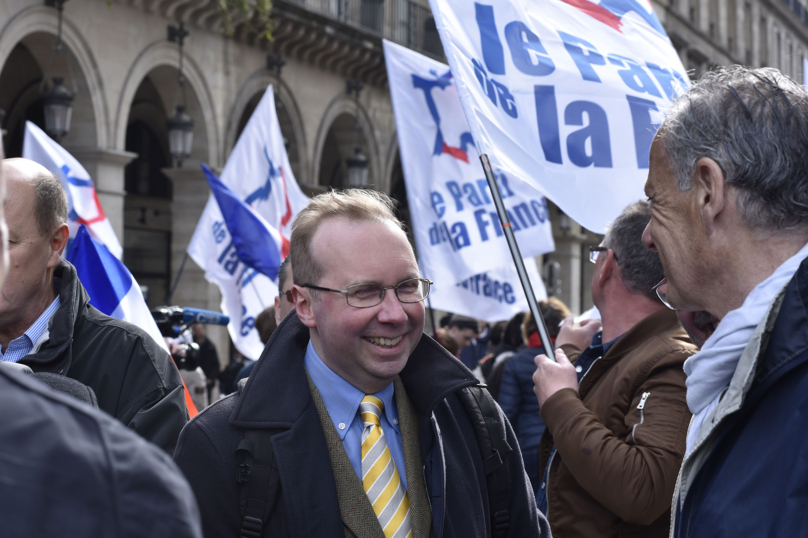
(764, 43)
(732, 23)
(713, 18)
(790, 62)
(747, 23)
(778, 51)
(693, 10)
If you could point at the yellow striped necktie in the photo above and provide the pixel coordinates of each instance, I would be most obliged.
(380, 476)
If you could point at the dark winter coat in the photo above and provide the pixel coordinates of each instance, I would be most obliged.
(276, 396)
(68, 470)
(520, 405)
(134, 379)
(747, 472)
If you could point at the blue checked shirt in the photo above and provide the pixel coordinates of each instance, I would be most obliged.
(22, 346)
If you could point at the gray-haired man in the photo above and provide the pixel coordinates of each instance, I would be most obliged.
(728, 186)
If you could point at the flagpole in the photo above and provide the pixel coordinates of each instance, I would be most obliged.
(177, 279)
(517, 257)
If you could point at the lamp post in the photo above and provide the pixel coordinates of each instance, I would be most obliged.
(357, 164)
(58, 100)
(180, 124)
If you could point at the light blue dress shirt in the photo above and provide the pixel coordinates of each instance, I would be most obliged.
(22, 346)
(342, 402)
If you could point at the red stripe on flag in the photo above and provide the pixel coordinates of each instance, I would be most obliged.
(457, 153)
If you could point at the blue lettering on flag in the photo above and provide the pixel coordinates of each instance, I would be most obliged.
(485, 286)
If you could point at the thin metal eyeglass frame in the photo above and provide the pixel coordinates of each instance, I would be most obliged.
(594, 251)
(381, 296)
(663, 295)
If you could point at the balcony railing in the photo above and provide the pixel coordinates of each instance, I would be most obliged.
(405, 22)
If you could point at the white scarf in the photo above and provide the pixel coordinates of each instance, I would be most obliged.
(710, 370)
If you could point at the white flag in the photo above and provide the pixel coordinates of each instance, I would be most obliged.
(564, 94)
(493, 296)
(454, 220)
(258, 172)
(83, 205)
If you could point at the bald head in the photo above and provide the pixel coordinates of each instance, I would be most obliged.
(50, 199)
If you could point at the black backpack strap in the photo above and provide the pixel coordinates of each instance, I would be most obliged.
(494, 447)
(258, 480)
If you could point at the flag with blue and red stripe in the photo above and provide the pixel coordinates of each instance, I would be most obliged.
(84, 207)
(111, 287)
(234, 251)
(257, 243)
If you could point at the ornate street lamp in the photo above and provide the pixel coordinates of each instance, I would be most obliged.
(358, 163)
(58, 100)
(357, 169)
(180, 125)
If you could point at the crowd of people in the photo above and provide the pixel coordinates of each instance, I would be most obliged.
(680, 412)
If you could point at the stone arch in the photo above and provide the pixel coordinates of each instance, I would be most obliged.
(340, 105)
(164, 54)
(42, 19)
(256, 84)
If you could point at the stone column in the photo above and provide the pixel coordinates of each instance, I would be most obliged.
(568, 254)
(190, 196)
(106, 168)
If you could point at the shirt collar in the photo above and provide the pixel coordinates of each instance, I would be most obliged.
(342, 399)
(597, 342)
(40, 326)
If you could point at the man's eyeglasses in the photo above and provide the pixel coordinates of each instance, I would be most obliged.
(413, 290)
(661, 290)
(594, 251)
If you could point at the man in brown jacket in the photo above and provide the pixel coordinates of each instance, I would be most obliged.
(617, 419)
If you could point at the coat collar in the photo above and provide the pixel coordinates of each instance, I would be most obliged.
(658, 323)
(73, 297)
(276, 395)
(789, 338)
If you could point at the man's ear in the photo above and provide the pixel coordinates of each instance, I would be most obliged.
(607, 268)
(303, 300)
(711, 194)
(58, 243)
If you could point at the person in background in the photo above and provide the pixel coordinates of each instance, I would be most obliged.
(48, 324)
(187, 360)
(265, 324)
(208, 358)
(512, 340)
(272, 316)
(516, 396)
(617, 418)
(227, 379)
(477, 349)
(458, 333)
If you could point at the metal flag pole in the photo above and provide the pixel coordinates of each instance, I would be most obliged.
(177, 279)
(517, 257)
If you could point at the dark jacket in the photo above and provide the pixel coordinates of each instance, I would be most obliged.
(134, 379)
(67, 469)
(618, 454)
(520, 405)
(276, 396)
(747, 472)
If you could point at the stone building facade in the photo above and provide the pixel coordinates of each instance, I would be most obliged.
(126, 71)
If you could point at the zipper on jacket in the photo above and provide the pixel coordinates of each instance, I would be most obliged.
(641, 407)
